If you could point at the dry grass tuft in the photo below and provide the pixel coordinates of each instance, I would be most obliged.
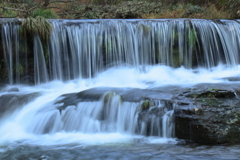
(36, 26)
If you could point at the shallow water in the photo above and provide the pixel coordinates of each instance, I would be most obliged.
(134, 149)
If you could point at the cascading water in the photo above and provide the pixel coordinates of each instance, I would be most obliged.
(40, 70)
(81, 49)
(158, 120)
(109, 115)
(127, 54)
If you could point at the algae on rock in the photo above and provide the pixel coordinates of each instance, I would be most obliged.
(145, 105)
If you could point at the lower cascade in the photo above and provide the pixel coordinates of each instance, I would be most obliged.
(110, 114)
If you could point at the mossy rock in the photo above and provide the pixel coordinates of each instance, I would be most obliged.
(214, 93)
(210, 102)
(145, 105)
(109, 96)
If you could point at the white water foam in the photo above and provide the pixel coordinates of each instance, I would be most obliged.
(163, 75)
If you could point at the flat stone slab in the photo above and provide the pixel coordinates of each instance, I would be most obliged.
(94, 94)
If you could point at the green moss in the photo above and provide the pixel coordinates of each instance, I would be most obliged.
(9, 14)
(175, 60)
(19, 68)
(213, 89)
(211, 102)
(192, 38)
(45, 13)
(121, 99)
(108, 96)
(214, 93)
(145, 105)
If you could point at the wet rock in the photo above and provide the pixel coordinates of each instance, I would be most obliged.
(213, 118)
(207, 126)
(94, 94)
(232, 79)
(150, 120)
(10, 102)
(145, 105)
(213, 93)
(204, 113)
(14, 89)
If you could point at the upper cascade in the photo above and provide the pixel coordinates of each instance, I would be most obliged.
(82, 48)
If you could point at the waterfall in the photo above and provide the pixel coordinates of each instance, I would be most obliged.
(158, 120)
(14, 55)
(85, 54)
(40, 70)
(81, 49)
(108, 115)
(10, 43)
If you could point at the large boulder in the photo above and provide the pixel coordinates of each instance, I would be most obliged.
(213, 117)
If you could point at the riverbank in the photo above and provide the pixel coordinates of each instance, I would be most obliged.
(122, 10)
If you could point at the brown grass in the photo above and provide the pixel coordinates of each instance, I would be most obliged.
(87, 9)
(208, 12)
(213, 13)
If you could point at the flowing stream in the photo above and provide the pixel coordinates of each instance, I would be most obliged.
(83, 54)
